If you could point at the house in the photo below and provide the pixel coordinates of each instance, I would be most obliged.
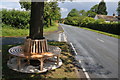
(108, 18)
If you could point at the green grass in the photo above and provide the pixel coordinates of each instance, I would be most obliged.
(10, 31)
(67, 70)
(105, 33)
(51, 28)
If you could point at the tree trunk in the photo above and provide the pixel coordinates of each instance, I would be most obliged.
(36, 22)
(50, 22)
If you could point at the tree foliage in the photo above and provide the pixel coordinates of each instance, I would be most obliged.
(94, 8)
(51, 11)
(15, 18)
(102, 8)
(25, 5)
(118, 9)
(88, 13)
(82, 12)
(73, 13)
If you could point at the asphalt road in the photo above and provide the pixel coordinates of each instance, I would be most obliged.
(98, 53)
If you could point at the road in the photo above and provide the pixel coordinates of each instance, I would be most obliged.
(98, 53)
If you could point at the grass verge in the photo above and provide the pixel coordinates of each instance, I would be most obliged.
(66, 71)
(10, 31)
(105, 33)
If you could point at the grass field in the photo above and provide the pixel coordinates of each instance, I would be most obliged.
(10, 31)
(65, 72)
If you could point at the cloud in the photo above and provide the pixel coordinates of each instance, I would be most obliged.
(62, 0)
(10, 0)
(63, 9)
(95, 0)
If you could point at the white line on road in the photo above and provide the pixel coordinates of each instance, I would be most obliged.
(100, 40)
(59, 38)
(84, 70)
(65, 38)
(73, 48)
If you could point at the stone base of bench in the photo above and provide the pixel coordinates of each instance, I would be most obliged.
(29, 68)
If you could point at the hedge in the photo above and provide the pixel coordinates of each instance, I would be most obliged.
(91, 23)
(16, 18)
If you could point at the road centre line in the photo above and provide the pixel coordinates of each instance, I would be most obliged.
(100, 40)
(84, 70)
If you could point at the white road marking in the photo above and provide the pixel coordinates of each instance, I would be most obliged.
(59, 38)
(84, 70)
(65, 38)
(73, 48)
(100, 40)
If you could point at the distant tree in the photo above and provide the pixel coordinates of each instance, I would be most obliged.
(73, 13)
(89, 13)
(51, 12)
(82, 12)
(94, 8)
(118, 9)
(102, 8)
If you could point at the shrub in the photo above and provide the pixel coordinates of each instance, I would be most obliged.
(15, 18)
(87, 21)
(76, 21)
(91, 23)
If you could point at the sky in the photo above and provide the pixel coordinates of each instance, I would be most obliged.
(67, 5)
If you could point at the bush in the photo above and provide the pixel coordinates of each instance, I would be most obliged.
(15, 18)
(91, 23)
(105, 27)
(87, 21)
(76, 21)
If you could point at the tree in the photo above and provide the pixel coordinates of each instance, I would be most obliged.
(36, 20)
(118, 9)
(73, 13)
(90, 13)
(51, 11)
(94, 8)
(25, 5)
(102, 8)
(82, 12)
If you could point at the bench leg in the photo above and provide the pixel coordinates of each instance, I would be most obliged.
(58, 60)
(41, 64)
(19, 62)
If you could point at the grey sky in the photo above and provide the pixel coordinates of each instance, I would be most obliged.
(67, 6)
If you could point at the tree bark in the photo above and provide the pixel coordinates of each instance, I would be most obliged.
(36, 20)
(50, 22)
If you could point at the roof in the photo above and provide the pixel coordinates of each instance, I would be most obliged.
(108, 18)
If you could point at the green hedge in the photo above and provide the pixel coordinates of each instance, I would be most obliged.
(76, 21)
(91, 23)
(15, 18)
(105, 27)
